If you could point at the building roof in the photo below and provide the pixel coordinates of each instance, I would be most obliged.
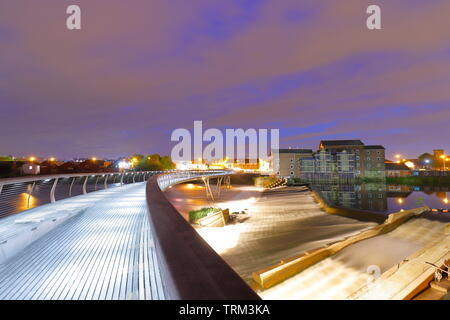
(374, 147)
(396, 166)
(334, 143)
(294, 151)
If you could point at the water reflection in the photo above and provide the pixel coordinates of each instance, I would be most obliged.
(25, 202)
(385, 198)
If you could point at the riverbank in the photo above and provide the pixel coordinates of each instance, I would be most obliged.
(443, 181)
(278, 224)
(349, 274)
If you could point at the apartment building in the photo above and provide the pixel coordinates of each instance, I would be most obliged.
(336, 160)
(287, 162)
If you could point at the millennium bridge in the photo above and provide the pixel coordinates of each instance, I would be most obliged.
(106, 236)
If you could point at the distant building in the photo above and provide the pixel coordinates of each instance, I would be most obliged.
(30, 168)
(336, 160)
(287, 162)
(438, 153)
(397, 170)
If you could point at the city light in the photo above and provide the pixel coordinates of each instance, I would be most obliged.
(124, 165)
(444, 159)
(398, 156)
(94, 159)
(32, 159)
(410, 164)
(446, 200)
(52, 159)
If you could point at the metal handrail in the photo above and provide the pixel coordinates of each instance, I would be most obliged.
(11, 189)
(191, 269)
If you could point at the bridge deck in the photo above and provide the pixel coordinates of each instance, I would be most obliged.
(105, 252)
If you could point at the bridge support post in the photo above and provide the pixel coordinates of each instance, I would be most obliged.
(228, 182)
(209, 193)
(52, 192)
(219, 186)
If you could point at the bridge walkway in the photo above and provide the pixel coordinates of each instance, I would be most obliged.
(104, 252)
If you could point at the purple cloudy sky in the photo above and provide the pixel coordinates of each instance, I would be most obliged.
(140, 68)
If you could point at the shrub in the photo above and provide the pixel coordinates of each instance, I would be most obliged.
(201, 213)
(265, 181)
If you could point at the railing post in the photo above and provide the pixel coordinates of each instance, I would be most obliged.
(106, 181)
(134, 175)
(84, 185)
(71, 185)
(121, 179)
(30, 193)
(96, 180)
(1, 188)
(52, 192)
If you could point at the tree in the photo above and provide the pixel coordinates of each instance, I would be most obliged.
(153, 162)
(6, 158)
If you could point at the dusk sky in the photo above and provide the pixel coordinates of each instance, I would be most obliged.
(139, 69)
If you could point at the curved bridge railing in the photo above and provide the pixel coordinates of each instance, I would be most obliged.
(23, 193)
(191, 269)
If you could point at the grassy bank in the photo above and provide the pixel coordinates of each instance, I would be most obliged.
(420, 181)
(201, 213)
(264, 182)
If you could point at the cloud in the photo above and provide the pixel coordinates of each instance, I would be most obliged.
(140, 68)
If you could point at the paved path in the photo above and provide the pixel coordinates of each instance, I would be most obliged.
(104, 252)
